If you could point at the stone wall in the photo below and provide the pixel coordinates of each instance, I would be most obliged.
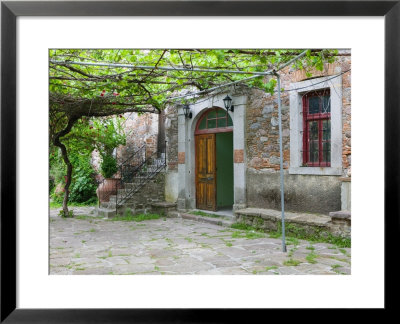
(171, 136)
(303, 193)
(139, 130)
(151, 192)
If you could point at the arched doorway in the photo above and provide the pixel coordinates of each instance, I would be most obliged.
(214, 160)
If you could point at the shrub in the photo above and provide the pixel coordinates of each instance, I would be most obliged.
(108, 166)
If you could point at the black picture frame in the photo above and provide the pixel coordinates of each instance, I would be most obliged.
(11, 10)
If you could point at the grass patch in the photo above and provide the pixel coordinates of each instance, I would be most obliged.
(54, 204)
(335, 268)
(271, 268)
(229, 244)
(311, 258)
(128, 217)
(246, 231)
(310, 247)
(64, 215)
(248, 235)
(205, 246)
(86, 217)
(292, 240)
(274, 235)
(291, 262)
(343, 251)
(224, 230)
(243, 226)
(340, 259)
(92, 230)
(293, 232)
(292, 250)
(201, 213)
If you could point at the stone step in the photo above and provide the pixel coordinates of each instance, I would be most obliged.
(163, 208)
(218, 220)
(106, 212)
(107, 204)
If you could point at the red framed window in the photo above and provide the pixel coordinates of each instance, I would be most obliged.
(317, 128)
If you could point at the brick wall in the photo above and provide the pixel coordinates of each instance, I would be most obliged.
(139, 130)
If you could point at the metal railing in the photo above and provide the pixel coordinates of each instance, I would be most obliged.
(126, 172)
(128, 168)
(140, 176)
(133, 173)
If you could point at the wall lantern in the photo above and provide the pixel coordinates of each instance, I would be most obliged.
(228, 103)
(187, 112)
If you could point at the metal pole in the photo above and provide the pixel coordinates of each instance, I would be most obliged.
(281, 162)
(178, 68)
(147, 67)
(269, 72)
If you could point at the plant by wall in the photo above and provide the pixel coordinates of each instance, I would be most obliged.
(87, 135)
(83, 188)
(108, 166)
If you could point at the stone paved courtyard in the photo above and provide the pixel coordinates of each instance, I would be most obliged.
(166, 246)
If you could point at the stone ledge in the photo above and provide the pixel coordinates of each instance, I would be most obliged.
(269, 219)
(164, 204)
(341, 214)
(271, 214)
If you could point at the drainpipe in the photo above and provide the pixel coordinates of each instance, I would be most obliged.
(281, 161)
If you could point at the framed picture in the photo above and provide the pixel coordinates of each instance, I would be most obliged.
(228, 20)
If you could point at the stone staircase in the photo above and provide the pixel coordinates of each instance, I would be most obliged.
(144, 188)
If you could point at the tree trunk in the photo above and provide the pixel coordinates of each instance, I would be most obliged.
(57, 142)
(69, 177)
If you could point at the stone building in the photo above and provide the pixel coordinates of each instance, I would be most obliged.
(230, 160)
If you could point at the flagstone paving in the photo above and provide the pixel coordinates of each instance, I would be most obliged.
(175, 246)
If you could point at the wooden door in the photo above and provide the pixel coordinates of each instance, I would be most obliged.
(206, 179)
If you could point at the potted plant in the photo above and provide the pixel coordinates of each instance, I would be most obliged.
(110, 185)
(111, 135)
